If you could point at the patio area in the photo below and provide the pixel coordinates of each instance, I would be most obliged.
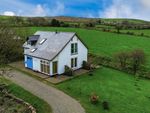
(54, 80)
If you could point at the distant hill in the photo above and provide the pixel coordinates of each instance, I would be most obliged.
(80, 19)
(78, 22)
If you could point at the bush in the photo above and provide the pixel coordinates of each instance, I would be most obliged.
(10, 48)
(94, 98)
(86, 65)
(142, 34)
(105, 105)
(68, 71)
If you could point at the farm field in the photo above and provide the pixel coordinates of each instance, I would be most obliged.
(103, 43)
(122, 91)
(26, 96)
(138, 32)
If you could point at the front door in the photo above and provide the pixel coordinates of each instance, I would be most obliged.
(29, 62)
(55, 67)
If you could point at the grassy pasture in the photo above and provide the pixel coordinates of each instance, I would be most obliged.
(103, 43)
(138, 32)
(123, 92)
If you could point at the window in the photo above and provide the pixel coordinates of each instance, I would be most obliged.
(45, 66)
(32, 50)
(42, 41)
(74, 48)
(73, 62)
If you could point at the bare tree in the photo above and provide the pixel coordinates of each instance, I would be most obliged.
(137, 59)
(122, 58)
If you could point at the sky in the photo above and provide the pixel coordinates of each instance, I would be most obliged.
(138, 9)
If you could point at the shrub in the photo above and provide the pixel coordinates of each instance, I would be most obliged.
(94, 98)
(142, 34)
(105, 105)
(122, 58)
(86, 65)
(137, 59)
(68, 71)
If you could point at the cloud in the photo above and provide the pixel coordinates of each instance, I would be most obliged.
(145, 3)
(9, 13)
(32, 9)
(58, 9)
(139, 9)
(39, 10)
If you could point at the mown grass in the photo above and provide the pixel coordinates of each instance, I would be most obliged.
(123, 92)
(40, 105)
(103, 43)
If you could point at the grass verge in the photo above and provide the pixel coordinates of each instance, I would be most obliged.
(40, 105)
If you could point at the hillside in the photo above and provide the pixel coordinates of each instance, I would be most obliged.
(8, 19)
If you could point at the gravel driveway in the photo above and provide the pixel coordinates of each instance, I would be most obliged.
(59, 101)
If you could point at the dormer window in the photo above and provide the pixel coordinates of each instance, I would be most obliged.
(32, 50)
(32, 40)
(74, 48)
(42, 41)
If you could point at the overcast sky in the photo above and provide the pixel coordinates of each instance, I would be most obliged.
(139, 9)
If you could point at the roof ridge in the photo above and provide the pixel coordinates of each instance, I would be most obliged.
(54, 31)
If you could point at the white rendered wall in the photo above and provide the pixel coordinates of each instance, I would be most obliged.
(36, 64)
(25, 60)
(64, 58)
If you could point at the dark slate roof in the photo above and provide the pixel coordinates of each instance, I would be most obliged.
(54, 44)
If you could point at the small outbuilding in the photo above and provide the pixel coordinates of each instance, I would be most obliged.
(50, 52)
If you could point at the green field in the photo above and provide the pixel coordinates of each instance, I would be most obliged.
(136, 21)
(104, 43)
(138, 32)
(123, 92)
(19, 92)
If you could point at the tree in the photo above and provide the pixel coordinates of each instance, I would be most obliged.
(90, 24)
(99, 21)
(122, 58)
(137, 59)
(10, 46)
(55, 23)
(118, 28)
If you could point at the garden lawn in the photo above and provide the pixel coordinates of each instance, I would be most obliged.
(102, 43)
(124, 93)
(40, 105)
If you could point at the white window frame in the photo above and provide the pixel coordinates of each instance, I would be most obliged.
(47, 64)
(75, 62)
(74, 50)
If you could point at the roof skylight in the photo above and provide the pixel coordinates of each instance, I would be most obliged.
(42, 41)
(32, 50)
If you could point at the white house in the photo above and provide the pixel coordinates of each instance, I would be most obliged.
(49, 52)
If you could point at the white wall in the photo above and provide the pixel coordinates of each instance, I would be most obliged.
(25, 60)
(82, 53)
(64, 58)
(36, 64)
